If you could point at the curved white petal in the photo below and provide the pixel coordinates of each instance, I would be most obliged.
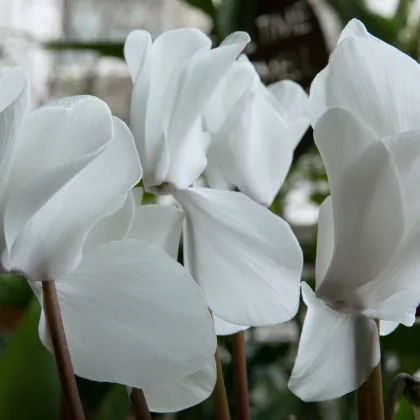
(341, 139)
(291, 101)
(354, 28)
(404, 149)
(51, 241)
(261, 150)
(147, 320)
(226, 328)
(222, 115)
(376, 82)
(189, 159)
(369, 226)
(387, 327)
(158, 224)
(114, 225)
(174, 395)
(184, 102)
(325, 240)
(136, 47)
(14, 97)
(246, 260)
(337, 352)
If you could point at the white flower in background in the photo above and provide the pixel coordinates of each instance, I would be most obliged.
(246, 260)
(131, 313)
(368, 251)
(255, 130)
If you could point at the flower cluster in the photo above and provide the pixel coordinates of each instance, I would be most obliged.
(70, 212)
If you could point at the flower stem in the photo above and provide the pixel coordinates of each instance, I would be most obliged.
(221, 405)
(392, 397)
(141, 411)
(240, 376)
(370, 403)
(61, 351)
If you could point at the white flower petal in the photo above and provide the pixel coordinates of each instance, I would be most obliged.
(136, 47)
(291, 100)
(184, 102)
(376, 82)
(147, 321)
(226, 328)
(261, 151)
(337, 352)
(188, 160)
(387, 327)
(51, 241)
(325, 240)
(341, 139)
(404, 149)
(368, 226)
(246, 260)
(114, 225)
(174, 395)
(14, 97)
(353, 29)
(158, 224)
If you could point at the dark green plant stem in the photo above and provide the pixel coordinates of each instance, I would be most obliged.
(240, 376)
(141, 411)
(221, 405)
(61, 351)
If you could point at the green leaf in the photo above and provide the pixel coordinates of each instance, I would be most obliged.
(14, 291)
(29, 383)
(115, 405)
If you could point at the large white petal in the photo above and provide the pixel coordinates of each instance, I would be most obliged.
(222, 116)
(55, 143)
(175, 395)
(51, 241)
(184, 102)
(261, 150)
(132, 315)
(246, 259)
(404, 149)
(387, 327)
(341, 139)
(114, 225)
(158, 224)
(325, 240)
(226, 328)
(376, 82)
(337, 352)
(369, 226)
(291, 101)
(189, 159)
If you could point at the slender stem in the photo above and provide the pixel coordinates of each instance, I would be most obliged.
(141, 411)
(61, 351)
(240, 376)
(369, 395)
(392, 397)
(221, 405)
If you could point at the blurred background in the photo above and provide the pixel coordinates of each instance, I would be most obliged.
(71, 47)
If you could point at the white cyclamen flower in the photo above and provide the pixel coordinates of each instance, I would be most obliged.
(131, 313)
(245, 259)
(368, 251)
(255, 130)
